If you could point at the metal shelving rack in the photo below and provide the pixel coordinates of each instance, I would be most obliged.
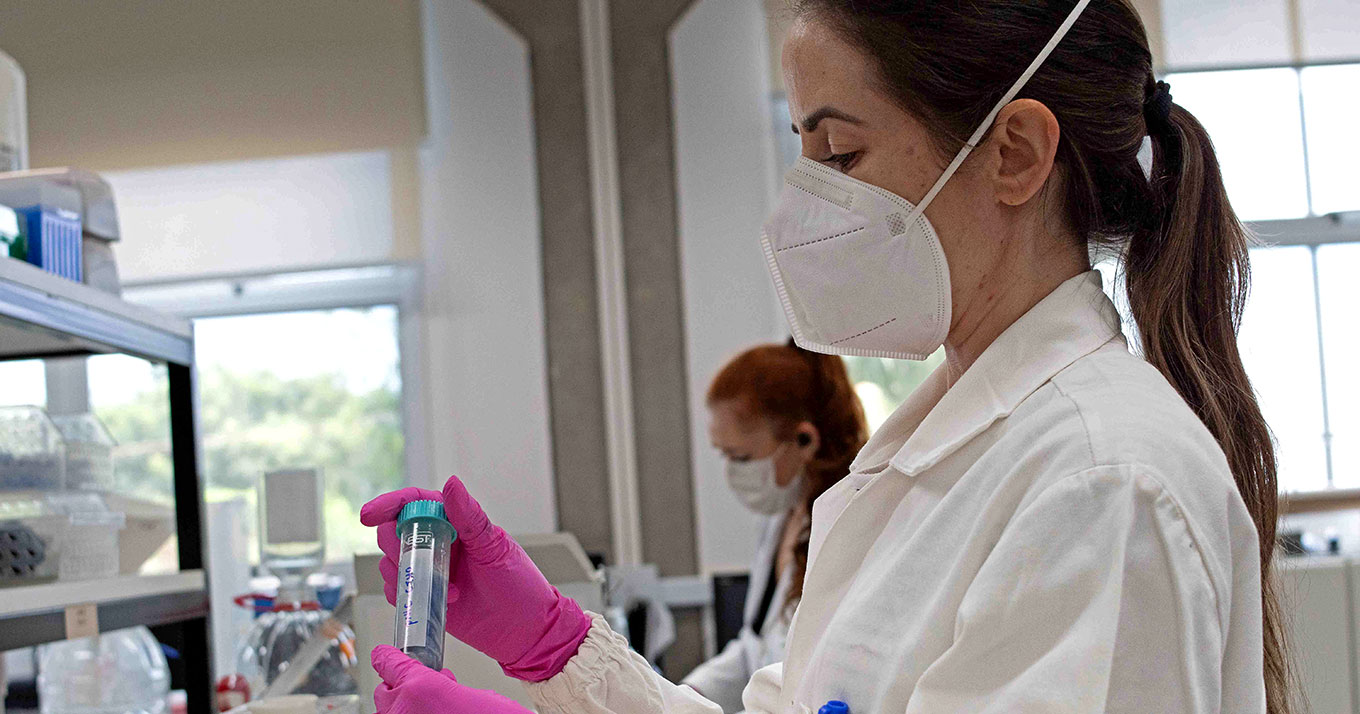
(44, 316)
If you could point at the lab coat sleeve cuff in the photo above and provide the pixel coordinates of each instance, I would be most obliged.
(722, 678)
(606, 677)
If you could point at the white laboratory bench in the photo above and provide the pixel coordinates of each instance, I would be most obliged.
(1321, 598)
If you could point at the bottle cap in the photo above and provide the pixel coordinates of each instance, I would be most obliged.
(835, 706)
(421, 509)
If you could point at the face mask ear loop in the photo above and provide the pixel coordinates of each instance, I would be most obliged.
(986, 124)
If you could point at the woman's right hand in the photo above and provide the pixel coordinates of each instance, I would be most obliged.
(499, 602)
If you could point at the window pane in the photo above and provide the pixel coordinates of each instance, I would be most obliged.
(1329, 29)
(299, 390)
(1254, 121)
(1280, 348)
(1331, 98)
(1225, 32)
(1338, 266)
(288, 390)
(23, 383)
(883, 384)
(132, 398)
(233, 217)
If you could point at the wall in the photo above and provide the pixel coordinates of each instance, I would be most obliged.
(724, 153)
(780, 17)
(256, 215)
(483, 314)
(116, 85)
(463, 205)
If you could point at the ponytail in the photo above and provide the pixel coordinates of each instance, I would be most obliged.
(1184, 251)
(1187, 276)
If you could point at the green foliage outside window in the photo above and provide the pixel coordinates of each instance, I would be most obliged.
(253, 422)
(883, 384)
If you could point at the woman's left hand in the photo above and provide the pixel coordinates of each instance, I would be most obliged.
(410, 687)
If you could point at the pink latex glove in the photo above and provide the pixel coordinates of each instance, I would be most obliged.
(410, 687)
(499, 603)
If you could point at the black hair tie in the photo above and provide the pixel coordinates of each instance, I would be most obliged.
(1157, 109)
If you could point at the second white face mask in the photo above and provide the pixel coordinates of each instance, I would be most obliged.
(756, 487)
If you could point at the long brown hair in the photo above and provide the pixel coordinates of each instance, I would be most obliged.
(789, 385)
(1184, 252)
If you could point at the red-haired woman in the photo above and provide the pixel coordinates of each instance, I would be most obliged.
(788, 424)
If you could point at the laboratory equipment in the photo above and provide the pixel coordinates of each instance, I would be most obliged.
(98, 225)
(51, 238)
(67, 536)
(279, 635)
(310, 654)
(558, 556)
(835, 706)
(22, 552)
(90, 543)
(303, 704)
(422, 596)
(49, 221)
(291, 526)
(89, 451)
(85, 200)
(43, 314)
(119, 672)
(291, 704)
(13, 116)
(10, 235)
(32, 453)
(232, 691)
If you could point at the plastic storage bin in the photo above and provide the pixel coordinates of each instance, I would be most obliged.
(57, 536)
(32, 451)
(90, 547)
(89, 451)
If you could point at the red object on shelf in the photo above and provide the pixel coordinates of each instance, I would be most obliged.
(232, 692)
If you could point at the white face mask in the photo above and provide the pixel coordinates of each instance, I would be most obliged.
(860, 270)
(754, 483)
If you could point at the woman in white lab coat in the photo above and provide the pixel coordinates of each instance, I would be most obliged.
(1050, 523)
(787, 423)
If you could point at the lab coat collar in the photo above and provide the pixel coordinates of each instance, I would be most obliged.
(1074, 320)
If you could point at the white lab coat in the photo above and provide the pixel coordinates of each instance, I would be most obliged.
(1057, 532)
(723, 678)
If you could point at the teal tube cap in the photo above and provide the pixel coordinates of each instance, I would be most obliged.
(421, 509)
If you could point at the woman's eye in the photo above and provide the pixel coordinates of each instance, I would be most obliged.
(842, 161)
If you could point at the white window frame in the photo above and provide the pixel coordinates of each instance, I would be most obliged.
(1311, 233)
(330, 288)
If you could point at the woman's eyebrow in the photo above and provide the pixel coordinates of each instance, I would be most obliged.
(811, 121)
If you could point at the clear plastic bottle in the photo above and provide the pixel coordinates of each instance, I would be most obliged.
(120, 672)
(292, 523)
(423, 581)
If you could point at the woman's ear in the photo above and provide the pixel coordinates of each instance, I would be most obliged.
(808, 439)
(1026, 137)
